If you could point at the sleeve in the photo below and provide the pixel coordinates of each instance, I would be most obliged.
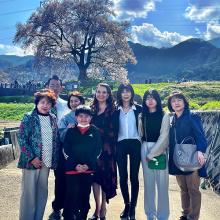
(68, 153)
(140, 126)
(62, 124)
(97, 150)
(62, 134)
(198, 133)
(23, 138)
(163, 140)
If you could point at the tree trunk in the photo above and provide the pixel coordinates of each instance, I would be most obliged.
(82, 75)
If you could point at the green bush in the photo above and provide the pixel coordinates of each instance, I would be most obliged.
(14, 111)
(16, 99)
(213, 105)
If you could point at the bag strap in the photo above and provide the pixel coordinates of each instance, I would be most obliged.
(174, 122)
(188, 138)
(145, 133)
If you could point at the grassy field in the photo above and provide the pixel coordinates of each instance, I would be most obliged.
(202, 96)
(14, 111)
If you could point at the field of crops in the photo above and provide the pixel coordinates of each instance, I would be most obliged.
(202, 96)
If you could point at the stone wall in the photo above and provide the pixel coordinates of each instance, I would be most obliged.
(10, 151)
(211, 124)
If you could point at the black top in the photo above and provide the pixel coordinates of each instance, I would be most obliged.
(152, 127)
(82, 148)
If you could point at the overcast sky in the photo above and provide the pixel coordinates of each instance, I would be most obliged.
(158, 23)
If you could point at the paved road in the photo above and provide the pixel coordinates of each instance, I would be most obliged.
(10, 178)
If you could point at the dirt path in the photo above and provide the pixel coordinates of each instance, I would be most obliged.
(10, 178)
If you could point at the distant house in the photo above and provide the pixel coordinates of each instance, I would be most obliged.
(70, 86)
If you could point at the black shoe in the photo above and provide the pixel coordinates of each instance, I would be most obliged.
(183, 217)
(125, 212)
(94, 217)
(131, 213)
(55, 215)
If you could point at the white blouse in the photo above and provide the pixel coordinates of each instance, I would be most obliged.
(127, 125)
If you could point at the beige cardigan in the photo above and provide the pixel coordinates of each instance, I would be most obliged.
(163, 140)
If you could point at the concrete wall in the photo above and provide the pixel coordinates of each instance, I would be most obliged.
(9, 152)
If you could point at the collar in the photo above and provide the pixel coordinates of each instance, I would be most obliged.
(39, 113)
(133, 107)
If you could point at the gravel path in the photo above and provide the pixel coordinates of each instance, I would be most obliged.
(10, 178)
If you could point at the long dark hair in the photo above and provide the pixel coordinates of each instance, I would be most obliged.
(121, 88)
(109, 102)
(155, 95)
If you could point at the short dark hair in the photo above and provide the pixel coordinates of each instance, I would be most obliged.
(55, 77)
(77, 95)
(121, 88)
(82, 109)
(45, 93)
(179, 95)
(154, 94)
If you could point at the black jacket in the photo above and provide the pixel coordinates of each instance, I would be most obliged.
(115, 119)
(82, 148)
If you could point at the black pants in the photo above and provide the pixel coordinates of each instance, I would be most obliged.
(59, 191)
(131, 147)
(78, 188)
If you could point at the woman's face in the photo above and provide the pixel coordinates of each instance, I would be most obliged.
(151, 103)
(101, 94)
(177, 104)
(44, 105)
(74, 102)
(126, 95)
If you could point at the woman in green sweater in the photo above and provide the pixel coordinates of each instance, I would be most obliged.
(154, 125)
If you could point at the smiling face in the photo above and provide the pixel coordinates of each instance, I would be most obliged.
(55, 85)
(177, 104)
(44, 105)
(101, 94)
(83, 119)
(74, 102)
(126, 95)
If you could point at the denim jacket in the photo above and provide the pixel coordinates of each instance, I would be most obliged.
(187, 125)
(30, 140)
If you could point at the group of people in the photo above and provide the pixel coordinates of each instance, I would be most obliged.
(85, 145)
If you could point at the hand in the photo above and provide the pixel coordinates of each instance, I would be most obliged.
(147, 159)
(70, 126)
(201, 158)
(79, 168)
(36, 163)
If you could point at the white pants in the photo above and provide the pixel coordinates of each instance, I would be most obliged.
(153, 178)
(34, 191)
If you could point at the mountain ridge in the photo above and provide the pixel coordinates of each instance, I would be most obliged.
(194, 59)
